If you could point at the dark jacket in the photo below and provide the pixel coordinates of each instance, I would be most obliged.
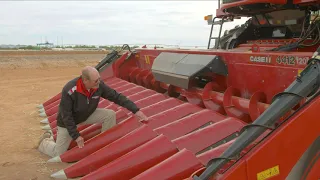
(75, 107)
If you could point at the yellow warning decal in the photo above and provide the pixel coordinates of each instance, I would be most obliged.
(147, 59)
(274, 171)
(299, 71)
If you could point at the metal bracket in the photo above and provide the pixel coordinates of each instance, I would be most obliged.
(283, 93)
(219, 158)
(255, 125)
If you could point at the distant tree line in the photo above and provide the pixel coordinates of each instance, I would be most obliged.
(31, 47)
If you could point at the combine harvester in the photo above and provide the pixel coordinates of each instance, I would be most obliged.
(245, 109)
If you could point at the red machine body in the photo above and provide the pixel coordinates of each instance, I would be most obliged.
(201, 103)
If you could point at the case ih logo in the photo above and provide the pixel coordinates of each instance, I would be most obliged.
(260, 59)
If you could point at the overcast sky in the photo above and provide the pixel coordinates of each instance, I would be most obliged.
(106, 22)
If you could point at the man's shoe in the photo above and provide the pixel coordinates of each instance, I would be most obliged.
(45, 135)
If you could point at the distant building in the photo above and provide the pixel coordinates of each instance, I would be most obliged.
(11, 46)
(46, 44)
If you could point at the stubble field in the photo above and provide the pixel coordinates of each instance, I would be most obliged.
(28, 79)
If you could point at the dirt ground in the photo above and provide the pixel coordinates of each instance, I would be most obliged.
(26, 81)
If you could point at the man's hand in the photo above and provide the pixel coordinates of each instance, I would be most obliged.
(142, 117)
(80, 142)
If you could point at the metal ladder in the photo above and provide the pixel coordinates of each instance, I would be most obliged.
(217, 39)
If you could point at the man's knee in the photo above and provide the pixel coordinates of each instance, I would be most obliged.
(110, 116)
(63, 141)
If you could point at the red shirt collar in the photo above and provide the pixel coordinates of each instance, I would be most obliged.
(82, 89)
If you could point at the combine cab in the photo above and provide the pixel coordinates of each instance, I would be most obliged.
(245, 109)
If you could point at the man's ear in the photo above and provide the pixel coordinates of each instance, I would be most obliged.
(84, 79)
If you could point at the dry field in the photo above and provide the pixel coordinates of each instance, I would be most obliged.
(28, 79)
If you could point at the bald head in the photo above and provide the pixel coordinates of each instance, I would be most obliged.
(89, 72)
(90, 77)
